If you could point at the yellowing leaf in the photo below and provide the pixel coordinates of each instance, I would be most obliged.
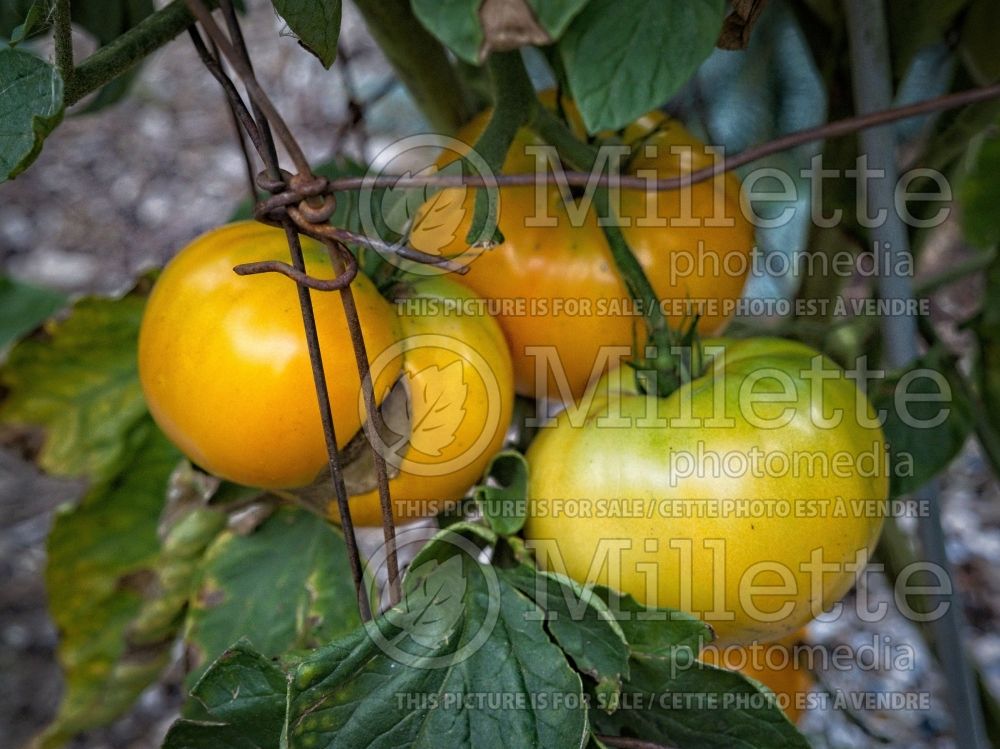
(81, 386)
(437, 403)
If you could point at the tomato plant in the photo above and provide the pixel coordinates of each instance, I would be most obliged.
(608, 492)
(712, 533)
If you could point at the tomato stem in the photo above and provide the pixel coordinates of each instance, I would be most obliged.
(514, 101)
(664, 371)
(63, 36)
(583, 156)
(127, 50)
(420, 61)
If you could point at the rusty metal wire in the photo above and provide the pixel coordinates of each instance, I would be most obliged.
(242, 122)
(302, 203)
(720, 165)
(234, 51)
(342, 281)
(373, 425)
(323, 231)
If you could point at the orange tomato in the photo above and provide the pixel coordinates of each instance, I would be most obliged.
(561, 302)
(773, 665)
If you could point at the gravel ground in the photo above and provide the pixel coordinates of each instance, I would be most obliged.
(119, 191)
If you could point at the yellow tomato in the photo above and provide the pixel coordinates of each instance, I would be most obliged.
(747, 497)
(224, 365)
(458, 386)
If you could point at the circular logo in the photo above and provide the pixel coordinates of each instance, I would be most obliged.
(450, 406)
(419, 631)
(392, 211)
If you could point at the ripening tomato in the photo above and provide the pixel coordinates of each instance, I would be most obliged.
(774, 665)
(749, 497)
(451, 408)
(562, 303)
(224, 365)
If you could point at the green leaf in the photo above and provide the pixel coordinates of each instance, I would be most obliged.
(31, 105)
(239, 703)
(555, 15)
(106, 20)
(978, 41)
(455, 23)
(695, 706)
(917, 23)
(24, 308)
(82, 387)
(316, 23)
(285, 586)
(100, 560)
(503, 497)
(457, 538)
(34, 20)
(458, 24)
(625, 57)
(923, 435)
(433, 603)
(978, 195)
(657, 633)
(383, 687)
(581, 624)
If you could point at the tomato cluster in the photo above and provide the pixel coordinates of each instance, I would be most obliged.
(748, 496)
(226, 373)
